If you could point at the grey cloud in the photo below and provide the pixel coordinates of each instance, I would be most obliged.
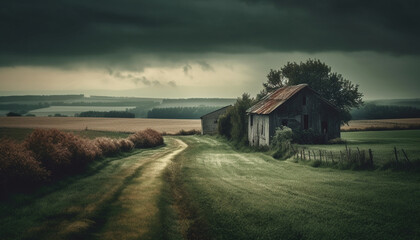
(186, 68)
(172, 83)
(143, 80)
(106, 32)
(205, 66)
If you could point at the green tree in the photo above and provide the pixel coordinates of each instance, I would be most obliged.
(332, 86)
(234, 124)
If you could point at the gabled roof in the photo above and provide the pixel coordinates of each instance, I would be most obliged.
(216, 111)
(273, 100)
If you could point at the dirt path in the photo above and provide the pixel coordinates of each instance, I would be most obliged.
(138, 203)
(117, 199)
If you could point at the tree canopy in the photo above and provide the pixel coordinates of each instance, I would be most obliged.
(332, 86)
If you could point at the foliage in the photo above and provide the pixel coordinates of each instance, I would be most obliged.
(61, 152)
(237, 128)
(224, 125)
(180, 112)
(13, 114)
(373, 111)
(18, 167)
(330, 85)
(110, 114)
(183, 132)
(146, 139)
(47, 154)
(307, 136)
(281, 142)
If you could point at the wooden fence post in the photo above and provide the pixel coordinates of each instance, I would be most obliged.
(405, 155)
(396, 154)
(370, 157)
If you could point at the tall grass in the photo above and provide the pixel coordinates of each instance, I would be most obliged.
(49, 154)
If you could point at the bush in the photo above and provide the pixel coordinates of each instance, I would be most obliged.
(125, 144)
(188, 132)
(307, 136)
(61, 152)
(281, 142)
(18, 168)
(146, 139)
(13, 114)
(107, 145)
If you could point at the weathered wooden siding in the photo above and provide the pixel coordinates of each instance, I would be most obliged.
(294, 111)
(320, 116)
(209, 122)
(259, 130)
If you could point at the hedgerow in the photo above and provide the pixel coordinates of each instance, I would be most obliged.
(48, 154)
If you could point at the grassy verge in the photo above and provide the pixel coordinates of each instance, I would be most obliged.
(252, 196)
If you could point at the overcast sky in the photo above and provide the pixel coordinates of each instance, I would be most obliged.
(207, 48)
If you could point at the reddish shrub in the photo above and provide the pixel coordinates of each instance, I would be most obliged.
(50, 148)
(108, 146)
(18, 168)
(146, 139)
(61, 152)
(125, 144)
(83, 150)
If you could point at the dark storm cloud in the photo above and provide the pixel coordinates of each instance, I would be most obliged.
(54, 32)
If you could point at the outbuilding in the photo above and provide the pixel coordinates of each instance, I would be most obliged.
(209, 122)
(298, 107)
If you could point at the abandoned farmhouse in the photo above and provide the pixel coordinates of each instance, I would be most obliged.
(209, 122)
(298, 107)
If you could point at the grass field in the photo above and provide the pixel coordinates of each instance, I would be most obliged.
(382, 144)
(101, 124)
(252, 196)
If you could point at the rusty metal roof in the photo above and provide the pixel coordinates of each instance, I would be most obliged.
(273, 100)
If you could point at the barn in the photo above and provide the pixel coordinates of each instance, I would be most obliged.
(298, 107)
(209, 122)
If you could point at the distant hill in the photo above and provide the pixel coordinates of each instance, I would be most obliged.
(388, 109)
(138, 106)
(414, 102)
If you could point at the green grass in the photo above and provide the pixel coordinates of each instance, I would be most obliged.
(382, 144)
(19, 134)
(252, 196)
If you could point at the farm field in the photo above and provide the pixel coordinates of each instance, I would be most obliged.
(101, 124)
(382, 144)
(360, 125)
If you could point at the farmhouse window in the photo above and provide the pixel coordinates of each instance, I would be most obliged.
(252, 120)
(215, 121)
(304, 100)
(305, 122)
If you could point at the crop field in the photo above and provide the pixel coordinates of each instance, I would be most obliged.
(382, 124)
(101, 124)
